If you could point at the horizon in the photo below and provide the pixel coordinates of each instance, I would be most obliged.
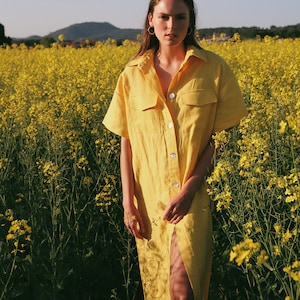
(34, 18)
(98, 22)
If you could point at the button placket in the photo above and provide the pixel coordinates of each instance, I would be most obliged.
(171, 142)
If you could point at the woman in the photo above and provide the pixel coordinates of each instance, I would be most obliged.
(170, 99)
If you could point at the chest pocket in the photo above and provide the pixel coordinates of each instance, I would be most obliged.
(144, 113)
(199, 97)
(197, 111)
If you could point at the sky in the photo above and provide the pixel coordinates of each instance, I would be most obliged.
(23, 18)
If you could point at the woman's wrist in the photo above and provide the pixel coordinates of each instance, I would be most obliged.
(192, 185)
(127, 203)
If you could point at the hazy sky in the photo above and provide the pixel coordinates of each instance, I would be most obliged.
(23, 18)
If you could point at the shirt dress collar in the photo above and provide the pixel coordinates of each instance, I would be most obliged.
(145, 62)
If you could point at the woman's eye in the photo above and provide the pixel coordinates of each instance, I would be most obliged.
(178, 17)
(164, 17)
(181, 17)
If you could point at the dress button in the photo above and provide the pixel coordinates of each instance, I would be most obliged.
(173, 155)
(176, 184)
(170, 125)
(171, 96)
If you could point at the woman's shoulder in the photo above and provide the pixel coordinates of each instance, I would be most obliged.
(213, 57)
(206, 55)
(141, 60)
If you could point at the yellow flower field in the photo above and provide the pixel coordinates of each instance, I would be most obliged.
(256, 181)
(60, 214)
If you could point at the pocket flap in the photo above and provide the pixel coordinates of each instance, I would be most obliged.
(143, 102)
(199, 97)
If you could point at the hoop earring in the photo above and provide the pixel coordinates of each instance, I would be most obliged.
(190, 31)
(151, 30)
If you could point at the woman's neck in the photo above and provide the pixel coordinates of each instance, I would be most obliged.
(167, 56)
(167, 62)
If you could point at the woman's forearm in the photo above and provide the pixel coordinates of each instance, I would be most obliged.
(203, 167)
(127, 177)
(132, 217)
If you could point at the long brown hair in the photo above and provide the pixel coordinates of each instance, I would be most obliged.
(151, 42)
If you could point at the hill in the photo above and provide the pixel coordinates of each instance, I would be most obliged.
(101, 31)
(95, 31)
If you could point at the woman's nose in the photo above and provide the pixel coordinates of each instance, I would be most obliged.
(171, 23)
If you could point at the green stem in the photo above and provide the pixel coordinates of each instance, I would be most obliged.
(10, 275)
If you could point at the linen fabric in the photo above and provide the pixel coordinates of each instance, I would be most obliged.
(167, 136)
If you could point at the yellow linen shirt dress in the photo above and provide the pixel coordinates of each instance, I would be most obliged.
(167, 136)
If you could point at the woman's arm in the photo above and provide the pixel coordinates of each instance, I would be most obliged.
(178, 207)
(132, 217)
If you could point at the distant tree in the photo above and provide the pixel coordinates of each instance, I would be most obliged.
(47, 41)
(3, 38)
(2, 35)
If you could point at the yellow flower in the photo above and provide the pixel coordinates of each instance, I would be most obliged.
(82, 163)
(18, 228)
(9, 214)
(277, 228)
(220, 139)
(233, 218)
(243, 251)
(10, 236)
(282, 128)
(4, 163)
(296, 276)
(221, 171)
(61, 37)
(248, 227)
(223, 198)
(87, 180)
(291, 198)
(263, 257)
(276, 251)
(293, 271)
(286, 236)
(50, 171)
(296, 264)
(243, 256)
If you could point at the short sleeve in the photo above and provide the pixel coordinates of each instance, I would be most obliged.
(115, 118)
(231, 107)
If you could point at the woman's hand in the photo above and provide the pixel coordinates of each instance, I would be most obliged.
(132, 217)
(134, 222)
(178, 207)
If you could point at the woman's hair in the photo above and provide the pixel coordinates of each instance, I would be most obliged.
(151, 42)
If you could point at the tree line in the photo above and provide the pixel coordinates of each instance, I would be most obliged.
(3, 38)
(291, 31)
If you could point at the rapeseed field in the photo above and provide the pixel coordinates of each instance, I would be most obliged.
(61, 223)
